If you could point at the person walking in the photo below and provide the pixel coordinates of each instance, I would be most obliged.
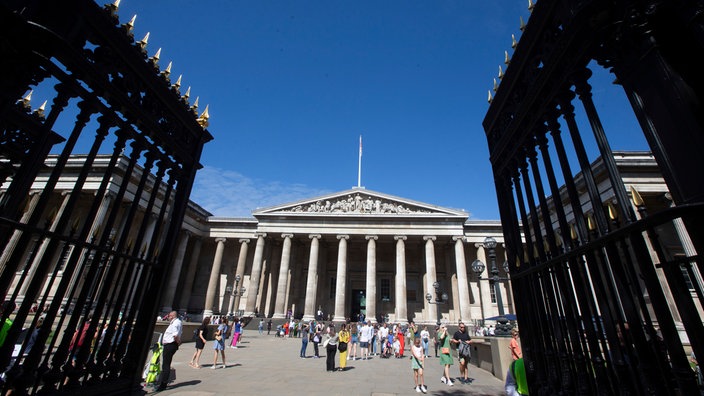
(425, 340)
(170, 341)
(236, 332)
(343, 340)
(417, 364)
(463, 341)
(219, 344)
(445, 355)
(268, 327)
(201, 338)
(330, 344)
(305, 328)
(261, 326)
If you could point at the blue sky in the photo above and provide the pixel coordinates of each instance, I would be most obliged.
(293, 84)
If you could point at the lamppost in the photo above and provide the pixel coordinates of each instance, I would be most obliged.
(503, 328)
(235, 293)
(440, 298)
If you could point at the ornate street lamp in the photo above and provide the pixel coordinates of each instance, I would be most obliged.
(503, 328)
(440, 298)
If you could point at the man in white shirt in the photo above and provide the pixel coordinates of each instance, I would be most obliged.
(170, 341)
(365, 336)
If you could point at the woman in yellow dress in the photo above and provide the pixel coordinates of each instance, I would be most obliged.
(343, 341)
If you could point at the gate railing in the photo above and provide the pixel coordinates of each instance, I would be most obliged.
(82, 270)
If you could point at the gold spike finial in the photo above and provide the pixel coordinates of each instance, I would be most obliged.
(590, 222)
(637, 199)
(489, 99)
(501, 73)
(613, 213)
(507, 60)
(194, 106)
(530, 5)
(514, 43)
(113, 7)
(27, 101)
(40, 111)
(496, 85)
(177, 84)
(130, 25)
(143, 42)
(203, 119)
(187, 94)
(156, 56)
(167, 71)
(523, 25)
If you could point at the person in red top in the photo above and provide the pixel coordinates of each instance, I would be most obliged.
(514, 347)
(401, 339)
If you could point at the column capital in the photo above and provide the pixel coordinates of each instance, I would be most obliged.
(218, 240)
(479, 245)
(244, 240)
(316, 236)
(343, 237)
(430, 238)
(371, 237)
(459, 238)
(286, 236)
(260, 234)
(400, 237)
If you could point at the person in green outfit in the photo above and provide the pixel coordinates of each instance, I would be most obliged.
(516, 382)
(445, 355)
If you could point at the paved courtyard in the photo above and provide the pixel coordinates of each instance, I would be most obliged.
(266, 365)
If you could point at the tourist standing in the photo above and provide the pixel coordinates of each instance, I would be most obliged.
(401, 340)
(304, 339)
(514, 347)
(201, 338)
(417, 364)
(268, 327)
(354, 340)
(343, 341)
(365, 336)
(425, 340)
(170, 341)
(330, 344)
(219, 344)
(261, 326)
(445, 355)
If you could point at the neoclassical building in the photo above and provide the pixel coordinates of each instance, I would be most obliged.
(346, 253)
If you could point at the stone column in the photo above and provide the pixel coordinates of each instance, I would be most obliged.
(341, 281)
(12, 243)
(214, 277)
(190, 276)
(484, 286)
(311, 284)
(371, 277)
(256, 274)
(167, 297)
(239, 271)
(462, 280)
(280, 307)
(430, 278)
(401, 303)
(44, 245)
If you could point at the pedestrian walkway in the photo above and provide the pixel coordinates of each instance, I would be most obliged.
(267, 365)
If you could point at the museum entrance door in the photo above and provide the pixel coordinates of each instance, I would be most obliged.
(359, 304)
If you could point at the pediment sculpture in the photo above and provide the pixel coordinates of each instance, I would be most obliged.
(355, 203)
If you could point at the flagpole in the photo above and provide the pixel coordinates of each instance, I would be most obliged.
(359, 166)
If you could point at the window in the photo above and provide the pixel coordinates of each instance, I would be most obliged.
(492, 290)
(385, 290)
(333, 286)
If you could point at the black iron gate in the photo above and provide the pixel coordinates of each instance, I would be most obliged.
(83, 270)
(605, 295)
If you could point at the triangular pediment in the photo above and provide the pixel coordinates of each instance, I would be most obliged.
(360, 201)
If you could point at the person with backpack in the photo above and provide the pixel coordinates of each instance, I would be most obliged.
(200, 335)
